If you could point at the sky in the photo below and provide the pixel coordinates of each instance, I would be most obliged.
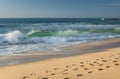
(59, 8)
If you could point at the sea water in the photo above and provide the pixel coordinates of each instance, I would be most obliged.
(27, 34)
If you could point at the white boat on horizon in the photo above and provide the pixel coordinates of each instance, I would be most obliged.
(102, 19)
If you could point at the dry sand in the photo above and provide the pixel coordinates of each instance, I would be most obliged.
(100, 65)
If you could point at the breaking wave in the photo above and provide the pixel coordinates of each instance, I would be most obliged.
(44, 36)
(17, 36)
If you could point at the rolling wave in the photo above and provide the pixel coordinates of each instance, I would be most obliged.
(27, 37)
(17, 36)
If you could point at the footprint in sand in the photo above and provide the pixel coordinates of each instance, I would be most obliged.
(91, 64)
(32, 74)
(79, 75)
(25, 77)
(53, 74)
(81, 62)
(104, 60)
(90, 72)
(116, 64)
(82, 65)
(67, 66)
(44, 78)
(100, 69)
(94, 62)
(48, 71)
(64, 70)
(107, 66)
(85, 68)
(114, 61)
(100, 64)
(56, 68)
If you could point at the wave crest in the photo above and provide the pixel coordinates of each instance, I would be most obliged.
(14, 37)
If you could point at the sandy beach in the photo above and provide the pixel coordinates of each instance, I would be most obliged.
(101, 64)
(59, 39)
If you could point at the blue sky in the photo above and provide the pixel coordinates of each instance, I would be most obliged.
(59, 8)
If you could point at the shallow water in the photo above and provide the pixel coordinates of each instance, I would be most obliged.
(21, 35)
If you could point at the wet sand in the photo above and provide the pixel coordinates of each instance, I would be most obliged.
(84, 48)
(103, 64)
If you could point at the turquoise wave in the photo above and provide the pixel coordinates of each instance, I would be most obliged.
(117, 30)
(57, 33)
(73, 32)
(41, 34)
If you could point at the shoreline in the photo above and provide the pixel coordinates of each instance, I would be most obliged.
(79, 49)
(103, 64)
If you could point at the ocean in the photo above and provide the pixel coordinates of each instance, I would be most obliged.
(20, 35)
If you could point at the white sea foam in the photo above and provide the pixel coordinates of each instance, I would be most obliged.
(14, 36)
(17, 41)
(11, 37)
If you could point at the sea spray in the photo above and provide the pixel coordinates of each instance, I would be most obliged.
(22, 37)
(14, 36)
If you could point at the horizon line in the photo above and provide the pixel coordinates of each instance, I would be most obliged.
(59, 18)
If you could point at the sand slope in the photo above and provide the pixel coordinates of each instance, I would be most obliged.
(100, 65)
